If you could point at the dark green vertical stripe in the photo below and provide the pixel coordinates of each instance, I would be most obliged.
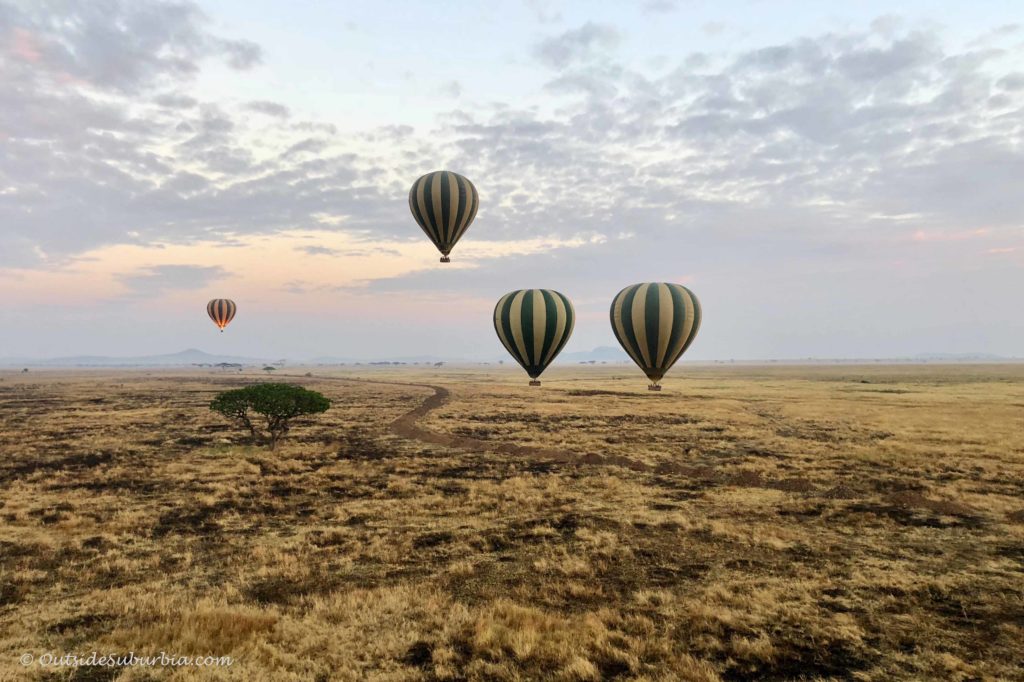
(696, 319)
(550, 324)
(652, 320)
(627, 322)
(419, 192)
(462, 207)
(511, 337)
(684, 292)
(474, 200)
(678, 321)
(413, 206)
(446, 208)
(526, 317)
(506, 325)
(567, 332)
(611, 318)
(428, 202)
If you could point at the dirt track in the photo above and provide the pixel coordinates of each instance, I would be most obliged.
(408, 426)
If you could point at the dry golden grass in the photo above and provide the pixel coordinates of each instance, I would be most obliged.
(847, 522)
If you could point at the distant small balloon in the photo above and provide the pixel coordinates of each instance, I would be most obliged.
(221, 311)
(655, 323)
(534, 325)
(444, 204)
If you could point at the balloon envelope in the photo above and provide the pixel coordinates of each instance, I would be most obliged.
(534, 325)
(444, 205)
(221, 311)
(655, 323)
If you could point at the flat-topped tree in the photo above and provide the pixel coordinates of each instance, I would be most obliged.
(269, 406)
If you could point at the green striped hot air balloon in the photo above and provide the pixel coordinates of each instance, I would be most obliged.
(221, 311)
(444, 204)
(655, 323)
(533, 325)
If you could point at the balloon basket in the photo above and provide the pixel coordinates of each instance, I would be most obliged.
(534, 382)
(654, 387)
(446, 259)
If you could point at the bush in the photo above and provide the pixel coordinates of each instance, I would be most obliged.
(276, 404)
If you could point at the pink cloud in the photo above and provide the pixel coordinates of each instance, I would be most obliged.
(25, 46)
(923, 236)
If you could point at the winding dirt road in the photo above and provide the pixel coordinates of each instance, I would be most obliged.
(408, 426)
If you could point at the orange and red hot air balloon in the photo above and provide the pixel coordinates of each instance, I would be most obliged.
(221, 311)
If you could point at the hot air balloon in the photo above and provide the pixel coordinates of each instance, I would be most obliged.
(221, 311)
(533, 325)
(655, 323)
(444, 204)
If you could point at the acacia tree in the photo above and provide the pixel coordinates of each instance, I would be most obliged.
(270, 406)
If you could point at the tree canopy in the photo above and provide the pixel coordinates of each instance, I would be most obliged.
(272, 406)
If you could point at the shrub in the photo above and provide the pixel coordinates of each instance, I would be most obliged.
(275, 405)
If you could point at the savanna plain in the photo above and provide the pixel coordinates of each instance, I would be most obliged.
(749, 522)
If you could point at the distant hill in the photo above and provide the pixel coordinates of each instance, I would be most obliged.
(333, 360)
(609, 354)
(599, 354)
(961, 357)
(188, 357)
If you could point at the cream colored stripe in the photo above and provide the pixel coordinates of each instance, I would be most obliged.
(516, 322)
(471, 206)
(620, 328)
(560, 320)
(665, 320)
(639, 326)
(499, 326)
(421, 200)
(466, 216)
(435, 199)
(570, 309)
(687, 330)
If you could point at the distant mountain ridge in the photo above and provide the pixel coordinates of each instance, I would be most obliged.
(194, 356)
(961, 357)
(599, 354)
(332, 360)
(191, 356)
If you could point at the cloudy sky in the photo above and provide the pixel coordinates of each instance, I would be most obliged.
(829, 182)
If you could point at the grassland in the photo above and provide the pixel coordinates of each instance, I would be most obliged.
(847, 522)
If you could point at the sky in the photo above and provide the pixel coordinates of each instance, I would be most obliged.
(830, 181)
